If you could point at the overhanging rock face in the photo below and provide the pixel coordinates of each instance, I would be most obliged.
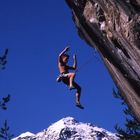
(113, 28)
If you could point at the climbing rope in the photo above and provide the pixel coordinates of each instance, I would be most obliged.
(88, 61)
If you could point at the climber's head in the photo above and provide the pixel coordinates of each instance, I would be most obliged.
(65, 58)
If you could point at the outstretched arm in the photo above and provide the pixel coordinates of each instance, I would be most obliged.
(64, 51)
(75, 62)
(74, 67)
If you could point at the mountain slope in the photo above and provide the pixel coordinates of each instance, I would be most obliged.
(69, 129)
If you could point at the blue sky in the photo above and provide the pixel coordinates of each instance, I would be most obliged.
(35, 32)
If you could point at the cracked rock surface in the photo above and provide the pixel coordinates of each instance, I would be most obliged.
(113, 28)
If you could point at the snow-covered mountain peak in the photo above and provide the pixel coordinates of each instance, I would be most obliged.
(24, 135)
(70, 129)
(64, 122)
(69, 120)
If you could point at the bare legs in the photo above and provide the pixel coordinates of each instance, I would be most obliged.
(78, 90)
(78, 95)
(71, 77)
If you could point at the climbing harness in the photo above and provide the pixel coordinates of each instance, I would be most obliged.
(61, 76)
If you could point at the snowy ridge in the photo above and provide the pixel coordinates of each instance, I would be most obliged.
(69, 129)
(25, 135)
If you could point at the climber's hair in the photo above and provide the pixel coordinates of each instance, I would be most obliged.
(65, 55)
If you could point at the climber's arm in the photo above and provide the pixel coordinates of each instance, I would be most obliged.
(74, 67)
(63, 52)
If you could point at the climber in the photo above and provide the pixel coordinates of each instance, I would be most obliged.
(68, 77)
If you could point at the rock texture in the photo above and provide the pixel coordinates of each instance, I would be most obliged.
(113, 28)
(69, 129)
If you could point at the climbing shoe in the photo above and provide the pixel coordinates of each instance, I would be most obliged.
(71, 87)
(79, 105)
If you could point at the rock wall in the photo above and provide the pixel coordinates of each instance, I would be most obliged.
(113, 28)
